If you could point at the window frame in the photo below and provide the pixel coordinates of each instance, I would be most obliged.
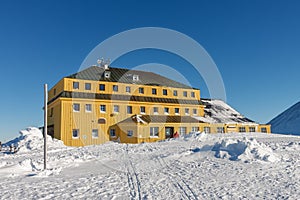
(195, 111)
(251, 128)
(115, 88)
(78, 134)
(175, 93)
(166, 110)
(193, 94)
(186, 111)
(75, 104)
(195, 129)
(102, 106)
(112, 131)
(93, 131)
(141, 90)
(144, 108)
(130, 135)
(154, 132)
(88, 105)
(75, 83)
(154, 91)
(89, 86)
(129, 108)
(165, 92)
(102, 87)
(155, 113)
(242, 129)
(118, 108)
(184, 93)
(182, 130)
(128, 89)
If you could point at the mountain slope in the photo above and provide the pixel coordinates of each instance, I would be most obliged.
(217, 111)
(287, 122)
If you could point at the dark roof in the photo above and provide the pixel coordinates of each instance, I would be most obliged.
(121, 97)
(161, 119)
(126, 76)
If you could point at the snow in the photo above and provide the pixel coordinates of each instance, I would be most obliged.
(288, 122)
(196, 166)
(217, 111)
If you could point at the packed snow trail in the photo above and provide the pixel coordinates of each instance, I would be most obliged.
(185, 168)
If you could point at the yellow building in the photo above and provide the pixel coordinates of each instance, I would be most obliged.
(100, 104)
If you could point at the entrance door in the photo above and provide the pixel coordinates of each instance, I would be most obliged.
(169, 131)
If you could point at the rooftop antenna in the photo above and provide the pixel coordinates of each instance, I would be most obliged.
(107, 63)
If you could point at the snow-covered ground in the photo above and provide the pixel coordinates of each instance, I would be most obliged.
(198, 166)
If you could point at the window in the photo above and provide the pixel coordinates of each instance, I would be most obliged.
(251, 129)
(102, 108)
(87, 86)
(135, 77)
(220, 130)
(154, 91)
(166, 109)
(54, 92)
(75, 85)
(187, 111)
(141, 90)
(143, 109)
(102, 87)
(129, 109)
(176, 111)
(115, 88)
(206, 129)
(175, 93)
(76, 107)
(242, 129)
(112, 132)
(194, 111)
(263, 130)
(75, 133)
(101, 121)
(107, 74)
(116, 108)
(95, 133)
(155, 110)
(182, 130)
(128, 89)
(185, 93)
(154, 132)
(165, 92)
(51, 112)
(88, 107)
(192, 94)
(129, 133)
(195, 129)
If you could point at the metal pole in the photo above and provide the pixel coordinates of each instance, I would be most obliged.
(45, 124)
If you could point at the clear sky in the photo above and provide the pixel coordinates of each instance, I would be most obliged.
(255, 44)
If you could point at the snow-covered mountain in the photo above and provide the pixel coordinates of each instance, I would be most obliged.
(217, 111)
(288, 122)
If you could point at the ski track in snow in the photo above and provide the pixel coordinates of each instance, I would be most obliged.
(184, 168)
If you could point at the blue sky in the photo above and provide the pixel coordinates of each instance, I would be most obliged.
(255, 44)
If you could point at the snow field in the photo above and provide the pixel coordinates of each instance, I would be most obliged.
(198, 166)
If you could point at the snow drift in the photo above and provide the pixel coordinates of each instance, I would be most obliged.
(31, 139)
(245, 150)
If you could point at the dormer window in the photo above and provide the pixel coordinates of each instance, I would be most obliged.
(135, 77)
(107, 74)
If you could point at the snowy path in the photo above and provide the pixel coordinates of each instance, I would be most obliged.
(185, 168)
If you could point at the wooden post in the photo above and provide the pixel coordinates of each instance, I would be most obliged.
(45, 124)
